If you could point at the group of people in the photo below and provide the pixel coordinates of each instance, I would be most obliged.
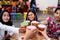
(52, 24)
(8, 31)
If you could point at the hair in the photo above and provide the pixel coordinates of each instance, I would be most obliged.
(27, 0)
(57, 9)
(36, 19)
(9, 23)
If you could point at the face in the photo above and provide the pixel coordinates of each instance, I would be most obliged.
(57, 15)
(31, 16)
(5, 17)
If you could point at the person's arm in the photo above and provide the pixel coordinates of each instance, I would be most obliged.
(13, 32)
(9, 28)
(45, 34)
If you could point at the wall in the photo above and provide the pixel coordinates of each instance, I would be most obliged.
(42, 4)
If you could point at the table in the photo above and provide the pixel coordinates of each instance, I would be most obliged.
(23, 34)
(40, 37)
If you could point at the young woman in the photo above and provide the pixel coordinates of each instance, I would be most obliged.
(31, 16)
(5, 19)
(53, 28)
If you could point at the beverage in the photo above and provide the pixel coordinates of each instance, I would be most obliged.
(25, 23)
(23, 27)
(35, 23)
(28, 22)
(41, 27)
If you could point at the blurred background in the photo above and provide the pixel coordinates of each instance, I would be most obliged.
(18, 8)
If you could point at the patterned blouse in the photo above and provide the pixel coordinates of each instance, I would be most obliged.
(53, 29)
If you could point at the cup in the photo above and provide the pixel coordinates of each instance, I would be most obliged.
(41, 27)
(35, 23)
(28, 22)
(23, 27)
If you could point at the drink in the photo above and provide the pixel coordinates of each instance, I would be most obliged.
(41, 27)
(28, 22)
(25, 23)
(35, 23)
(23, 27)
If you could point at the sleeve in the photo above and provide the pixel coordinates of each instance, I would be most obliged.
(9, 28)
(49, 27)
(13, 26)
(48, 19)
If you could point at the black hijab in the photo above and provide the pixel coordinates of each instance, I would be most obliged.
(33, 11)
(9, 23)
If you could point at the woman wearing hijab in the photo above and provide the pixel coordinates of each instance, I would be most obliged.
(5, 19)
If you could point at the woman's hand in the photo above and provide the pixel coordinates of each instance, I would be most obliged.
(14, 37)
(6, 37)
(29, 34)
(44, 33)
